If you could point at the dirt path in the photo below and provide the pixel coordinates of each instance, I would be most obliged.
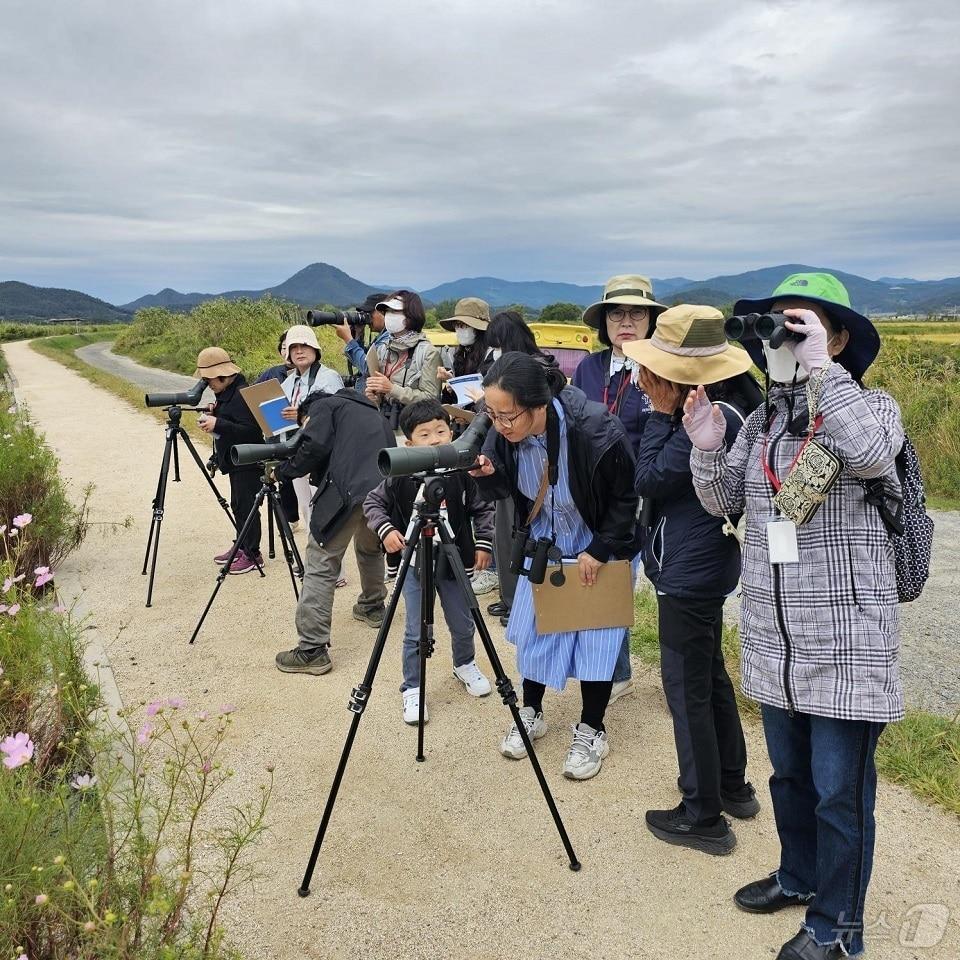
(456, 857)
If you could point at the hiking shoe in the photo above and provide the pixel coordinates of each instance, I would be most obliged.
(243, 563)
(484, 581)
(221, 558)
(499, 609)
(470, 676)
(742, 804)
(586, 753)
(512, 744)
(676, 826)
(621, 688)
(411, 707)
(296, 661)
(391, 573)
(372, 618)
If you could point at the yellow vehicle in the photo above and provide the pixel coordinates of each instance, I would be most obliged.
(567, 343)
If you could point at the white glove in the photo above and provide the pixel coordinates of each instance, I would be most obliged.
(810, 352)
(704, 421)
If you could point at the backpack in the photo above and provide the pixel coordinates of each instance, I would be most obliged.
(909, 524)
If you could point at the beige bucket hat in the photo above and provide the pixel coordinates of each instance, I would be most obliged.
(301, 334)
(628, 288)
(689, 346)
(472, 311)
(215, 362)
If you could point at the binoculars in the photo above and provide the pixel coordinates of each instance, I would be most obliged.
(760, 326)
(540, 551)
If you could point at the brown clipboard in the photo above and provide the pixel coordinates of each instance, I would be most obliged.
(572, 606)
(257, 393)
(458, 413)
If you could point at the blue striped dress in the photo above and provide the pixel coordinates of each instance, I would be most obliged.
(551, 658)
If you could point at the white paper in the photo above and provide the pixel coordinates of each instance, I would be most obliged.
(468, 382)
(782, 541)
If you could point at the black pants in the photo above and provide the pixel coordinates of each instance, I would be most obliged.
(288, 501)
(244, 486)
(595, 695)
(706, 723)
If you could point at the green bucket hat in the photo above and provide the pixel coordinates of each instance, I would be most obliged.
(828, 292)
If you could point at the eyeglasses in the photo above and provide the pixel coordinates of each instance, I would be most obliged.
(635, 313)
(506, 419)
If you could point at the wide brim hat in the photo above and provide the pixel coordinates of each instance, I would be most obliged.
(471, 311)
(828, 292)
(215, 362)
(629, 288)
(689, 346)
(301, 334)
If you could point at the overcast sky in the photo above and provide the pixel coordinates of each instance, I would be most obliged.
(217, 144)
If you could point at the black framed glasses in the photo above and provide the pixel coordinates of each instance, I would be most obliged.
(505, 419)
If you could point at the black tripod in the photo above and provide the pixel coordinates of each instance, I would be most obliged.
(291, 553)
(428, 522)
(170, 449)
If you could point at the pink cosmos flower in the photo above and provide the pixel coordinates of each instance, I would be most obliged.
(14, 532)
(3, 528)
(207, 767)
(201, 716)
(42, 579)
(143, 734)
(154, 707)
(59, 608)
(18, 750)
(14, 610)
(226, 708)
(176, 702)
(3, 608)
(83, 782)
(22, 520)
(41, 899)
(10, 581)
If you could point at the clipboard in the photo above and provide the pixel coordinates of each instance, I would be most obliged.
(458, 413)
(257, 393)
(572, 606)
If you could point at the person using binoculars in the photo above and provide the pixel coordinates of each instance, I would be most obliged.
(230, 422)
(819, 623)
(568, 465)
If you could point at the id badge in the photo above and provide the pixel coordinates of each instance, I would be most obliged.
(782, 541)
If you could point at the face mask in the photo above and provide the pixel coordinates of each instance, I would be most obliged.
(496, 353)
(782, 364)
(466, 336)
(395, 322)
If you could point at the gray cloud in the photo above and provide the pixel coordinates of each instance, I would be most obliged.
(222, 145)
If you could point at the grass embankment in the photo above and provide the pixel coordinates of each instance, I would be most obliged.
(26, 331)
(922, 752)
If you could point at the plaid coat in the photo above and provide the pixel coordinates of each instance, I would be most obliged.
(821, 636)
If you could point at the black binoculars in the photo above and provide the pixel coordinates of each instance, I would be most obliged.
(391, 409)
(760, 326)
(540, 551)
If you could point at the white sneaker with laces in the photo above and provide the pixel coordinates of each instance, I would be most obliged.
(484, 581)
(411, 707)
(622, 688)
(586, 753)
(470, 676)
(512, 744)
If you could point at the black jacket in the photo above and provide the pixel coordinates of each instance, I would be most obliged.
(235, 424)
(601, 476)
(338, 449)
(685, 551)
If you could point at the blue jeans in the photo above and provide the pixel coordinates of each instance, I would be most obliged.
(622, 670)
(455, 612)
(824, 790)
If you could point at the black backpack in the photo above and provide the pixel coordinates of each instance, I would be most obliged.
(910, 527)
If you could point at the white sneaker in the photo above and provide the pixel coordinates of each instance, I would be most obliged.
(411, 707)
(484, 581)
(512, 744)
(622, 688)
(586, 753)
(470, 676)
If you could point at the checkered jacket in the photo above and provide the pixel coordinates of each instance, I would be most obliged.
(821, 636)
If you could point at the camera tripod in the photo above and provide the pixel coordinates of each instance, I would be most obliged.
(429, 521)
(291, 553)
(174, 430)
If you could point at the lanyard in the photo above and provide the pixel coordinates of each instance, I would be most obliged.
(621, 391)
(770, 475)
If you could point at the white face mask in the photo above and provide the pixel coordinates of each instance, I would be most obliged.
(496, 353)
(466, 336)
(395, 322)
(782, 364)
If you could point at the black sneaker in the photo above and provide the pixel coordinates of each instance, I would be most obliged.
(372, 618)
(675, 826)
(742, 804)
(498, 609)
(296, 661)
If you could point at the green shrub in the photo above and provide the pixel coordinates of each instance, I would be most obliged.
(27, 331)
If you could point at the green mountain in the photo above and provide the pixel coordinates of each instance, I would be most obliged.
(21, 301)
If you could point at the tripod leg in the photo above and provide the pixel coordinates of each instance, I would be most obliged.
(188, 443)
(153, 539)
(359, 699)
(225, 569)
(271, 548)
(427, 598)
(176, 461)
(504, 686)
(290, 552)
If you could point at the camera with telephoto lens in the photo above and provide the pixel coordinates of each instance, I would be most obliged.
(539, 551)
(188, 398)
(243, 454)
(355, 316)
(761, 326)
(460, 455)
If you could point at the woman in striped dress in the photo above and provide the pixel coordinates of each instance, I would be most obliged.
(589, 510)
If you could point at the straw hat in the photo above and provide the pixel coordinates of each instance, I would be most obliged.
(303, 335)
(215, 362)
(628, 288)
(689, 346)
(472, 311)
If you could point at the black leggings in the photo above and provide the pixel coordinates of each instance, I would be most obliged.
(595, 693)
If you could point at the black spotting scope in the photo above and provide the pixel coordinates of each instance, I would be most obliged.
(459, 455)
(189, 398)
(243, 454)
(355, 316)
(761, 326)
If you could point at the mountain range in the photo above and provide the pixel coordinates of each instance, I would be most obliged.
(321, 283)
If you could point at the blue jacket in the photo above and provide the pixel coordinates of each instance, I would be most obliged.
(633, 407)
(279, 372)
(357, 357)
(685, 552)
